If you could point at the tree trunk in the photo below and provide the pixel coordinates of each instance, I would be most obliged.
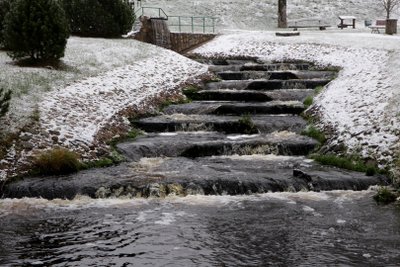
(282, 17)
(391, 26)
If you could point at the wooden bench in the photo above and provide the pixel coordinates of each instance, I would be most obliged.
(380, 24)
(308, 23)
(344, 24)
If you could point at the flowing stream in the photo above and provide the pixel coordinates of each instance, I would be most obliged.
(197, 189)
(338, 228)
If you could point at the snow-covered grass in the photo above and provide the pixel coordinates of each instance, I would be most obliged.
(84, 57)
(262, 14)
(362, 105)
(102, 79)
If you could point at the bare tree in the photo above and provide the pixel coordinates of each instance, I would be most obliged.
(282, 17)
(389, 6)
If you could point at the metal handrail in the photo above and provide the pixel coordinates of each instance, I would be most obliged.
(192, 24)
(161, 14)
(141, 11)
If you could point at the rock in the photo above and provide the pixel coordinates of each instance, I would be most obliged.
(175, 190)
(26, 137)
(302, 175)
(54, 132)
(103, 192)
(27, 145)
(194, 189)
(156, 190)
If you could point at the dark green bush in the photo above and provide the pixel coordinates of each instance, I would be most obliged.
(5, 97)
(36, 30)
(99, 18)
(4, 8)
(57, 161)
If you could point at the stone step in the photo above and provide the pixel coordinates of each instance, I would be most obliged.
(226, 124)
(226, 62)
(160, 177)
(275, 66)
(275, 75)
(251, 66)
(252, 95)
(202, 144)
(253, 75)
(236, 108)
(263, 84)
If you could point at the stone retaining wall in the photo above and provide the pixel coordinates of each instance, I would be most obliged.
(183, 41)
(179, 42)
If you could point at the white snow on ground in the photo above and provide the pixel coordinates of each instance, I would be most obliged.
(361, 105)
(88, 105)
(75, 113)
(84, 57)
(263, 14)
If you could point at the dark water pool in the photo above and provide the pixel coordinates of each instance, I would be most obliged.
(279, 229)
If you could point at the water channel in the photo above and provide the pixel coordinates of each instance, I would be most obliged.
(338, 228)
(221, 181)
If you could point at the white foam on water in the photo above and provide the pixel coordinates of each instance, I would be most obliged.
(268, 157)
(308, 209)
(30, 205)
(141, 217)
(166, 219)
(167, 134)
(241, 136)
(340, 221)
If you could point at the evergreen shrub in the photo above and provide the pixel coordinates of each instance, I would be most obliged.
(5, 97)
(35, 30)
(99, 18)
(4, 8)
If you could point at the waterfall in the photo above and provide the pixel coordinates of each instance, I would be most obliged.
(161, 34)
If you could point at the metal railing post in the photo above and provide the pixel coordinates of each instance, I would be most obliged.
(204, 25)
(179, 22)
(192, 25)
(213, 24)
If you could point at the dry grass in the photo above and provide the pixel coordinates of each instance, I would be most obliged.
(57, 161)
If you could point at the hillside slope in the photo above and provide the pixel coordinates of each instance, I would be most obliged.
(262, 14)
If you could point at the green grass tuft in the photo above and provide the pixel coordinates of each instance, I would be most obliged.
(247, 125)
(308, 101)
(112, 159)
(190, 91)
(313, 132)
(318, 89)
(348, 163)
(131, 135)
(385, 196)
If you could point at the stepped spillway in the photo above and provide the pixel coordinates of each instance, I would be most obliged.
(239, 135)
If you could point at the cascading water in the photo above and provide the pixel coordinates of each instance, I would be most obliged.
(187, 228)
(161, 33)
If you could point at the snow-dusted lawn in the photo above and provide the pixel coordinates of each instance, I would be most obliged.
(102, 79)
(105, 77)
(262, 14)
(84, 57)
(362, 104)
